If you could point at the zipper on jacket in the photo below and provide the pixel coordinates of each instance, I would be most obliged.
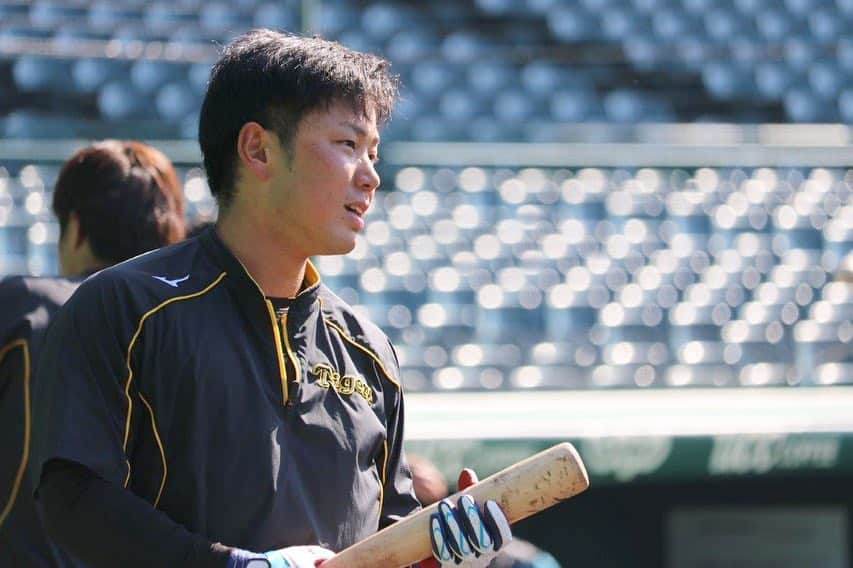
(279, 351)
(282, 368)
(291, 358)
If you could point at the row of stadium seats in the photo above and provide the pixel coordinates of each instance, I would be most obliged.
(100, 19)
(537, 277)
(489, 70)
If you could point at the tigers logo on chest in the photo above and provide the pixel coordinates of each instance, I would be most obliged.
(327, 377)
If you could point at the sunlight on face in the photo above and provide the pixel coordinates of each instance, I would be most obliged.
(322, 188)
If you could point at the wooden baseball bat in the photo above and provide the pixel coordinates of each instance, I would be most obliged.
(522, 489)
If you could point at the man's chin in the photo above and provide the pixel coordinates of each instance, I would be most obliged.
(338, 248)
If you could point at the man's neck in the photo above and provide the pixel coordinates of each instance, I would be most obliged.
(278, 273)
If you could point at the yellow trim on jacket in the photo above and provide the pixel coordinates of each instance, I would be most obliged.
(160, 447)
(370, 353)
(142, 320)
(25, 452)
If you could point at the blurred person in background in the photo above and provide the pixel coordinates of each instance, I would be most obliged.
(113, 200)
(430, 487)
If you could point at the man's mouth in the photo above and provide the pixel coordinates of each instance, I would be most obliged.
(357, 208)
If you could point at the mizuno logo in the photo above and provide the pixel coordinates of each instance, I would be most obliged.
(173, 283)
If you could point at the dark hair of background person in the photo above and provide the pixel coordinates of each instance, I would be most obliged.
(274, 79)
(127, 197)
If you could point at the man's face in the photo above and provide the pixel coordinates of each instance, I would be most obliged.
(321, 188)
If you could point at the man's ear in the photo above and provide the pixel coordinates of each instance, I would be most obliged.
(253, 142)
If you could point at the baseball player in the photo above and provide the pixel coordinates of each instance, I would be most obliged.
(213, 403)
(113, 200)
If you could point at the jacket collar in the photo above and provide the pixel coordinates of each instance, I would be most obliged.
(241, 278)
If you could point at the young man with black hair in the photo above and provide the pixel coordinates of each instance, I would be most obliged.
(229, 409)
(114, 200)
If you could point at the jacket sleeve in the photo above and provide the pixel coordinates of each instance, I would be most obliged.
(106, 525)
(399, 494)
(80, 405)
(85, 434)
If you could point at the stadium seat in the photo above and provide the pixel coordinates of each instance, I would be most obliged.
(276, 15)
(513, 106)
(726, 80)
(432, 77)
(825, 24)
(696, 322)
(149, 75)
(498, 8)
(106, 15)
(382, 20)
(412, 45)
(479, 366)
(41, 74)
(90, 74)
(574, 105)
(51, 13)
(540, 77)
(773, 79)
(569, 314)
(177, 101)
(572, 23)
(509, 315)
(722, 24)
(699, 375)
(774, 24)
(624, 376)
(671, 25)
(800, 51)
(120, 100)
(164, 17)
(620, 22)
(461, 105)
(647, 54)
(758, 343)
(221, 17)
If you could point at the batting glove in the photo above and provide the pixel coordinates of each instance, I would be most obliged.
(290, 557)
(463, 534)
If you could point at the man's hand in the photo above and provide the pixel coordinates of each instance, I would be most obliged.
(290, 557)
(465, 533)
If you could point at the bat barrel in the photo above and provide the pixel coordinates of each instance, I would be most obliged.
(522, 489)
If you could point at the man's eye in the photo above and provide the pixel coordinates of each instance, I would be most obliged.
(349, 143)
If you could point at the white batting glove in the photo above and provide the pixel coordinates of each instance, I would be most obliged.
(298, 556)
(290, 557)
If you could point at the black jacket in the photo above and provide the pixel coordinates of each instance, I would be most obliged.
(26, 308)
(171, 374)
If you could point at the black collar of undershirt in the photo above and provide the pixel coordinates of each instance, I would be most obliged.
(280, 305)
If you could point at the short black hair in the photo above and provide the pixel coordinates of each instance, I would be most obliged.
(126, 195)
(274, 79)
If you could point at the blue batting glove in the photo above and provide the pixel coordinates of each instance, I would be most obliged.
(467, 535)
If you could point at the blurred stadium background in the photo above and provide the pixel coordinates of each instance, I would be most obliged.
(616, 222)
